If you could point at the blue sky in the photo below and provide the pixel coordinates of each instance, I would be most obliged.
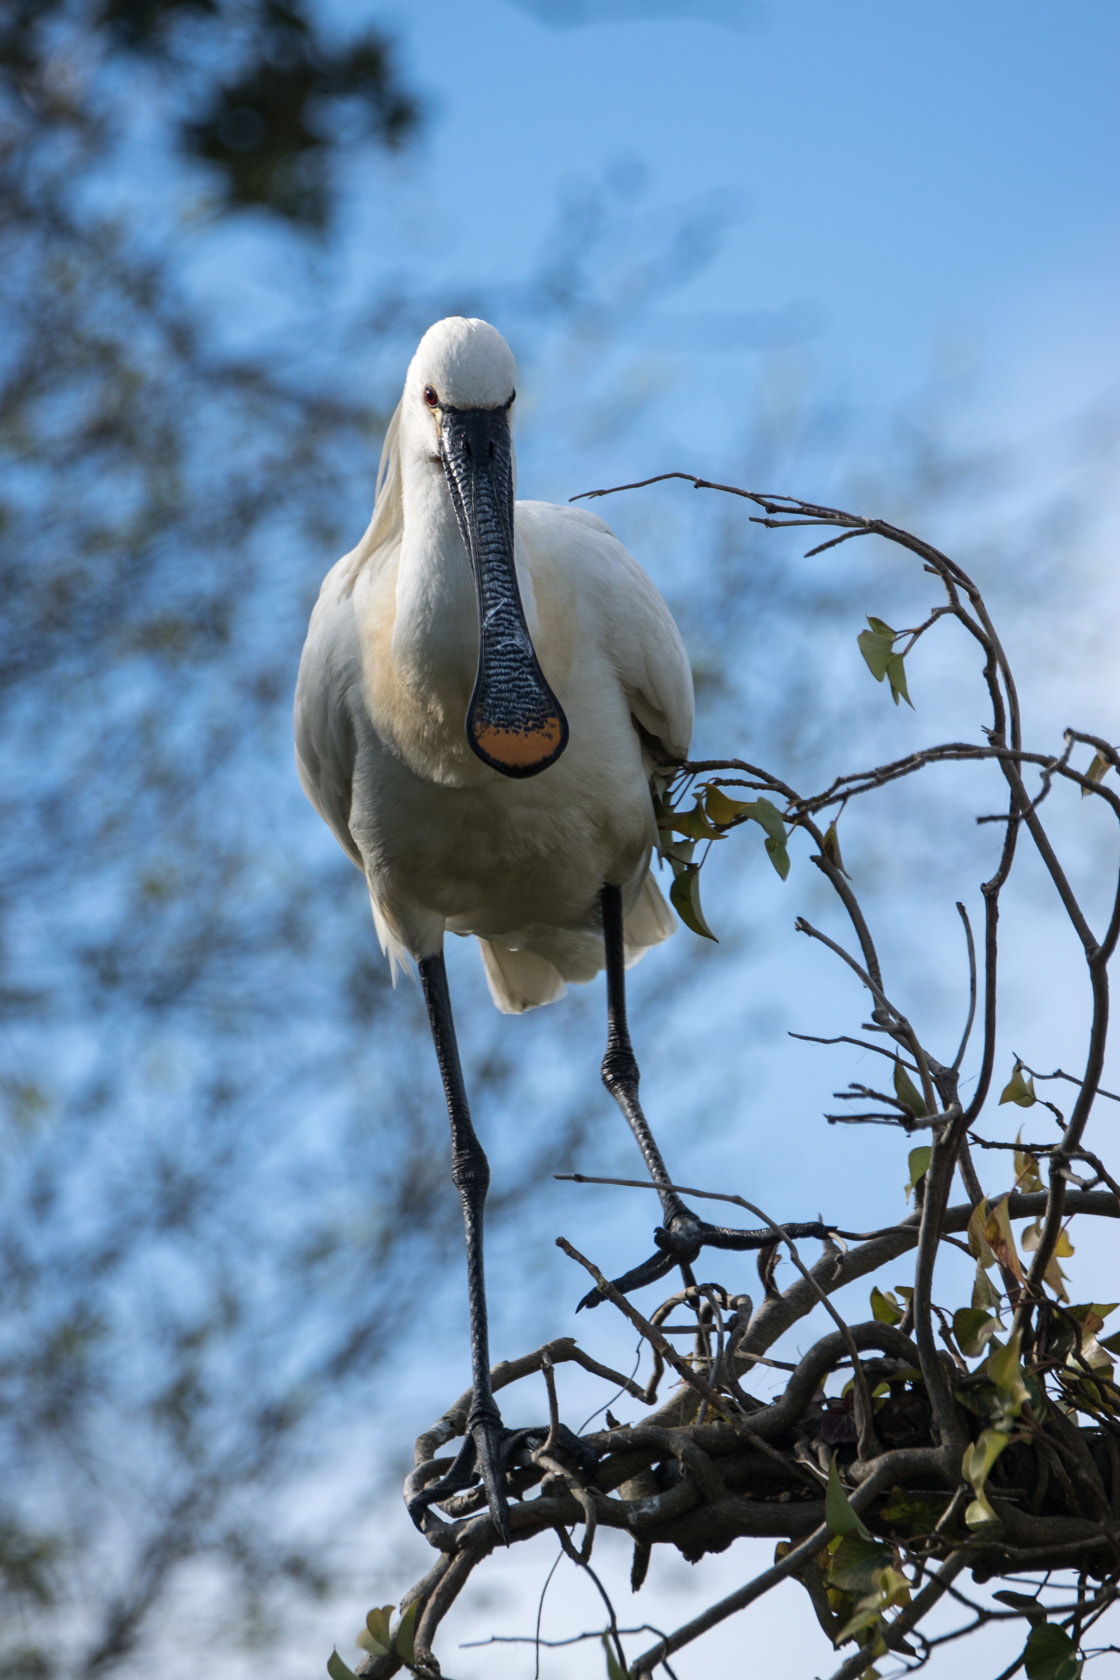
(908, 183)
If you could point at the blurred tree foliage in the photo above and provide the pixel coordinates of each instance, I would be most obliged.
(166, 1348)
(255, 87)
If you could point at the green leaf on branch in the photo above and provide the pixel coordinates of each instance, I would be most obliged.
(1096, 772)
(693, 824)
(985, 1295)
(830, 846)
(876, 646)
(1019, 1090)
(779, 857)
(1050, 1654)
(978, 1244)
(896, 676)
(722, 810)
(614, 1672)
(771, 819)
(375, 1636)
(915, 1513)
(684, 895)
(919, 1165)
(838, 1513)
(679, 853)
(406, 1630)
(1003, 1367)
(884, 1308)
(973, 1328)
(337, 1669)
(907, 1092)
(1027, 1175)
(377, 1639)
(976, 1466)
(856, 1562)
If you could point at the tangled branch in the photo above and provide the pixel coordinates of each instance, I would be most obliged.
(981, 1439)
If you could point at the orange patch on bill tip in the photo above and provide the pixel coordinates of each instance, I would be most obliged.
(519, 748)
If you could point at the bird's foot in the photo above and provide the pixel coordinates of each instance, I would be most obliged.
(680, 1241)
(490, 1454)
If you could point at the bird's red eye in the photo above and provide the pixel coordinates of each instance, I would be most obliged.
(430, 397)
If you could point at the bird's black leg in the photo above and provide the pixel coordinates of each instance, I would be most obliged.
(471, 1173)
(683, 1235)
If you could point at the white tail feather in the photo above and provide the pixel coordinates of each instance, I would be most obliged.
(538, 971)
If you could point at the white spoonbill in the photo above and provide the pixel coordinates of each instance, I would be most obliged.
(484, 692)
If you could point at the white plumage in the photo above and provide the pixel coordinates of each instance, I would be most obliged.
(445, 840)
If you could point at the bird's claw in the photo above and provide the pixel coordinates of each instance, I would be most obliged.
(488, 1452)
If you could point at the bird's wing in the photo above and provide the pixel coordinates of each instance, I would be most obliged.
(627, 614)
(329, 679)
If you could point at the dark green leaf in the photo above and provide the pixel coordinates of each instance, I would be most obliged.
(883, 1309)
(896, 676)
(679, 853)
(985, 1295)
(685, 897)
(1050, 1654)
(976, 1465)
(1019, 1090)
(1002, 1366)
(876, 650)
(374, 1637)
(856, 1562)
(915, 1513)
(779, 857)
(981, 1399)
(907, 1093)
(406, 1628)
(838, 1513)
(973, 1328)
(919, 1165)
(771, 819)
(1092, 1314)
(337, 1669)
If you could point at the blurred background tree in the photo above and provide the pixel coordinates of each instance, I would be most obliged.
(171, 1349)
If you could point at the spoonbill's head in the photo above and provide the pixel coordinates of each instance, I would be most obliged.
(457, 402)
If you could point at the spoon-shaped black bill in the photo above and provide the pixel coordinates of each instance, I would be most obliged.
(514, 721)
